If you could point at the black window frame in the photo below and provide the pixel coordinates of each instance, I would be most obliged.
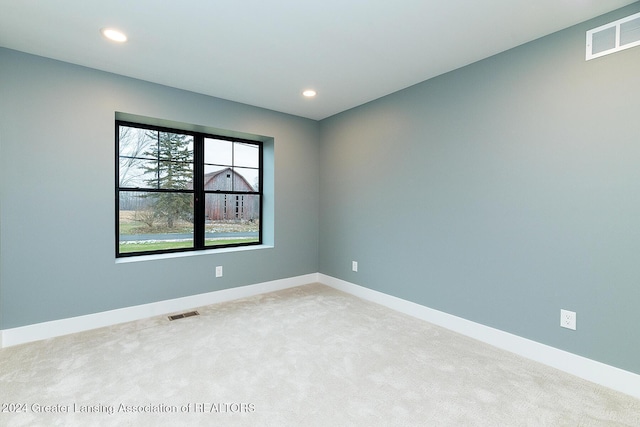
(199, 192)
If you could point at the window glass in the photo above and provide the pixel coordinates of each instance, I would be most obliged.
(246, 155)
(232, 219)
(218, 152)
(151, 221)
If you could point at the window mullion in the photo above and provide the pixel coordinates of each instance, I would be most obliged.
(198, 193)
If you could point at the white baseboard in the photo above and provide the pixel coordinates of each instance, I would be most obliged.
(590, 370)
(55, 328)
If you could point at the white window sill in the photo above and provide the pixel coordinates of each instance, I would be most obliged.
(140, 258)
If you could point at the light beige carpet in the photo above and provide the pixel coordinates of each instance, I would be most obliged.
(307, 356)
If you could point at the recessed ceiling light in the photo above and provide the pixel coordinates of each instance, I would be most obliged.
(309, 93)
(115, 35)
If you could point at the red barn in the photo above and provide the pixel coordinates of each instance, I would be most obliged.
(230, 206)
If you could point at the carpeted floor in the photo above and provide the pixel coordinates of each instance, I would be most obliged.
(307, 356)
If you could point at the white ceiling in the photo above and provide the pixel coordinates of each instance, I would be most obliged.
(265, 52)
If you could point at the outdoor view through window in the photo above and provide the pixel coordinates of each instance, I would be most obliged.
(180, 191)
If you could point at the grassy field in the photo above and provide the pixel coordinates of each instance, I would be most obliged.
(131, 224)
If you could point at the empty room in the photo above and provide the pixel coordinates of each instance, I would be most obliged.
(338, 213)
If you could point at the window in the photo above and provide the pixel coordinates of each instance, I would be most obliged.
(180, 190)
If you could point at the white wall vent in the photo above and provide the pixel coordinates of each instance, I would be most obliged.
(613, 37)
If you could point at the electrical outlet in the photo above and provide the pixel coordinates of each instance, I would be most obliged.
(354, 266)
(219, 271)
(568, 319)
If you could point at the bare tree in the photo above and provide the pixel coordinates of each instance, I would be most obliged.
(134, 142)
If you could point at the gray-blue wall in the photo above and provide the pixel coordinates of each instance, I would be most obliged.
(57, 219)
(500, 192)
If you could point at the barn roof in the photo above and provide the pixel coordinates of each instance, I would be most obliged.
(209, 176)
